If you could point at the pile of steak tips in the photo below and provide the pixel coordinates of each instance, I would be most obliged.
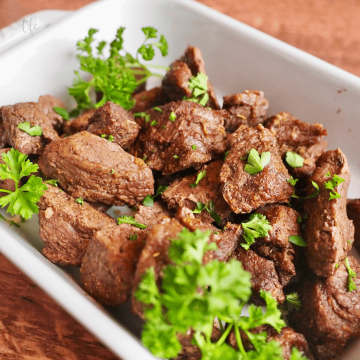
(179, 163)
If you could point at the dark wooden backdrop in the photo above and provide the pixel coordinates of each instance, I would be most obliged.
(32, 326)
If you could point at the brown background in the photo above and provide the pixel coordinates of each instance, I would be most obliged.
(32, 326)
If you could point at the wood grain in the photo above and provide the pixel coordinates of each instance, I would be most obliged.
(32, 326)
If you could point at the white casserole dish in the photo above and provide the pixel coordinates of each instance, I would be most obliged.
(237, 58)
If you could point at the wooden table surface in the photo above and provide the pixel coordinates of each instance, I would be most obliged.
(32, 326)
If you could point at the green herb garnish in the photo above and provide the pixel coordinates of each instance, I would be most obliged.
(10, 222)
(352, 276)
(80, 201)
(210, 208)
(192, 294)
(257, 226)
(199, 176)
(332, 184)
(113, 76)
(149, 200)
(133, 237)
(297, 240)
(294, 160)
(154, 123)
(294, 300)
(143, 115)
(199, 86)
(23, 200)
(315, 193)
(292, 181)
(32, 131)
(62, 112)
(256, 163)
(172, 116)
(52, 182)
(130, 220)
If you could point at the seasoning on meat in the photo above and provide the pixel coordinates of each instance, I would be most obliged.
(227, 240)
(276, 246)
(80, 123)
(147, 99)
(246, 108)
(181, 194)
(245, 192)
(330, 314)
(13, 115)
(176, 81)
(353, 213)
(46, 104)
(108, 267)
(112, 119)
(329, 233)
(155, 254)
(83, 162)
(300, 137)
(170, 149)
(66, 227)
(263, 274)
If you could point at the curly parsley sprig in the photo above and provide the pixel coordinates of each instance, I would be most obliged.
(23, 200)
(193, 294)
(257, 226)
(114, 76)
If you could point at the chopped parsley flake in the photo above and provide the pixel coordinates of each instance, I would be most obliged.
(110, 138)
(199, 86)
(200, 176)
(193, 147)
(80, 201)
(130, 220)
(294, 300)
(210, 208)
(172, 116)
(157, 109)
(149, 200)
(226, 154)
(315, 193)
(133, 237)
(52, 182)
(332, 184)
(62, 112)
(32, 131)
(352, 276)
(143, 115)
(297, 240)
(256, 163)
(175, 157)
(292, 181)
(294, 160)
(154, 123)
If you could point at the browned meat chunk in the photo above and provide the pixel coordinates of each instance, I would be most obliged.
(2, 132)
(300, 137)
(155, 254)
(80, 123)
(181, 194)
(194, 137)
(66, 226)
(46, 104)
(152, 215)
(148, 99)
(247, 108)
(287, 338)
(329, 233)
(245, 192)
(108, 267)
(194, 60)
(13, 115)
(227, 240)
(6, 184)
(112, 119)
(276, 246)
(176, 81)
(263, 274)
(330, 314)
(97, 170)
(353, 213)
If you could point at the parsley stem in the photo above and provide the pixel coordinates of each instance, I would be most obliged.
(7, 191)
(224, 335)
(238, 341)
